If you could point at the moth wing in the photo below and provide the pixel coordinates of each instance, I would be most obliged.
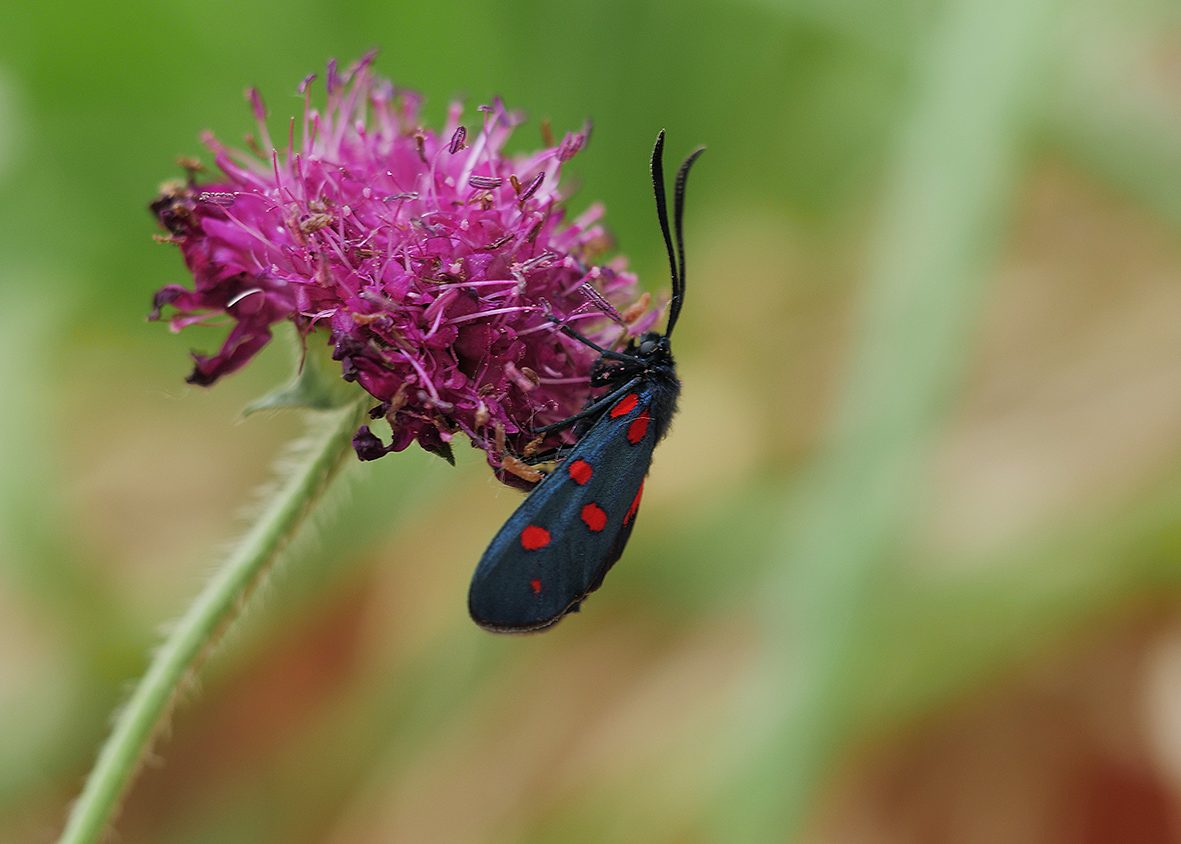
(559, 544)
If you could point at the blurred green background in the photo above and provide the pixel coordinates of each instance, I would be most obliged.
(909, 567)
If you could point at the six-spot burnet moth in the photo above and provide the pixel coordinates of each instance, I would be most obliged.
(563, 539)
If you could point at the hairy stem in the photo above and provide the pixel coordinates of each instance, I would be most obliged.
(207, 620)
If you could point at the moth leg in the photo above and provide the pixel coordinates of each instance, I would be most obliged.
(586, 341)
(548, 455)
(592, 409)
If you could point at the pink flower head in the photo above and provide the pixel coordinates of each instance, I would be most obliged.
(437, 267)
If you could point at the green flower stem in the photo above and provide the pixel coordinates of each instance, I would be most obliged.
(206, 621)
(949, 196)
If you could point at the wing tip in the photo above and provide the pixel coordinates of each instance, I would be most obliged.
(535, 625)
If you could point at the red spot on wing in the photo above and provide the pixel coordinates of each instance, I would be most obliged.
(637, 428)
(631, 511)
(581, 471)
(534, 538)
(535, 585)
(594, 517)
(624, 406)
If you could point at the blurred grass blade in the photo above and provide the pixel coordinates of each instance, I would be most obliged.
(36, 558)
(949, 195)
(1131, 139)
(1028, 597)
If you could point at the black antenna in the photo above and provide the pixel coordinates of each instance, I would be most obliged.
(678, 215)
(662, 215)
(676, 260)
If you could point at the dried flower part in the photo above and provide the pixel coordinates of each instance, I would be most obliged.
(435, 265)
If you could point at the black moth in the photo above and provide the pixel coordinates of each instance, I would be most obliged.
(563, 539)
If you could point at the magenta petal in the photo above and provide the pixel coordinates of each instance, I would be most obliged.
(242, 344)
